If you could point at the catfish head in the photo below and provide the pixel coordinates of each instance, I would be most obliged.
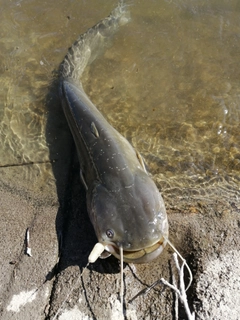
(132, 217)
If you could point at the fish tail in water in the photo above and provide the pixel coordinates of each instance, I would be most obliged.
(93, 43)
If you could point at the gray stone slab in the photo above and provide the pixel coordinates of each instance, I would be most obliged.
(24, 292)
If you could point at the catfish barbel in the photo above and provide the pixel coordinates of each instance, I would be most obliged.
(124, 204)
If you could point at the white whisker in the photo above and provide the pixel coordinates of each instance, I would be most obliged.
(185, 263)
(121, 270)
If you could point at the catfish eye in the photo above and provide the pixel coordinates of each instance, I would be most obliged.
(110, 233)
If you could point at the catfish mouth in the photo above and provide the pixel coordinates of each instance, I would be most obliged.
(139, 256)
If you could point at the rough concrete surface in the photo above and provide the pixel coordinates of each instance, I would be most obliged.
(22, 277)
(221, 295)
(205, 232)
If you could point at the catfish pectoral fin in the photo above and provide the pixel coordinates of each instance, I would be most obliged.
(141, 161)
(83, 180)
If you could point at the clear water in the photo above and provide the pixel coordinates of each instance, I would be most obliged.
(169, 83)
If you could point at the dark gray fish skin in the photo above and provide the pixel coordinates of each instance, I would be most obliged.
(124, 204)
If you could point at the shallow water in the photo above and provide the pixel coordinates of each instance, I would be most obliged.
(169, 83)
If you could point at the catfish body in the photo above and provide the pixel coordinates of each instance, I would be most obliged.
(124, 204)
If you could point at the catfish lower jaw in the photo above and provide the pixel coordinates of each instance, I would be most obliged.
(139, 256)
